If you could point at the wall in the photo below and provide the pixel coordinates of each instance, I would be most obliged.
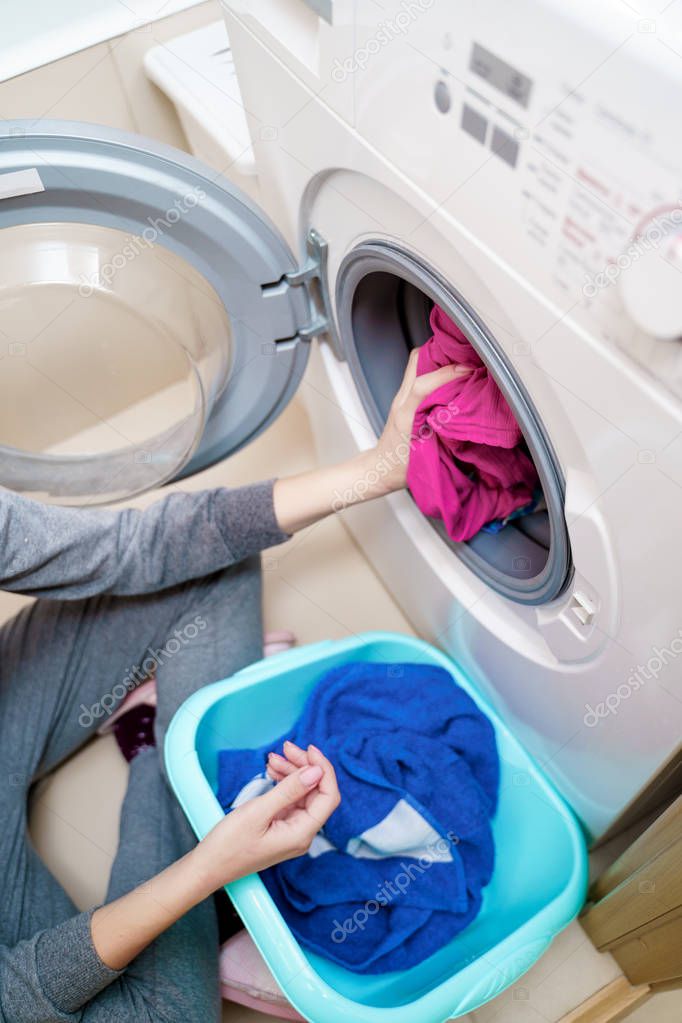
(42, 31)
(104, 83)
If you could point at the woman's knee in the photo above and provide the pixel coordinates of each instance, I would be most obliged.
(229, 609)
(215, 600)
(244, 579)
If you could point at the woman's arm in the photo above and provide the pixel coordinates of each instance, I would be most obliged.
(382, 469)
(70, 553)
(276, 826)
(80, 957)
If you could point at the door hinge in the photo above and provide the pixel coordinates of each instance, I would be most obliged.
(313, 277)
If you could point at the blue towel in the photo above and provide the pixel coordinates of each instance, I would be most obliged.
(400, 866)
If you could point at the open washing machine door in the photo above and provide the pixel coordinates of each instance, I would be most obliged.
(152, 319)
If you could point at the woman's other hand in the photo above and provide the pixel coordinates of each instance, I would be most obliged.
(276, 826)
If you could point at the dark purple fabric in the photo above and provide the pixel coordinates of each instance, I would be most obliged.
(467, 464)
(134, 730)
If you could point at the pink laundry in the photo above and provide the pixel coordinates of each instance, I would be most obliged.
(467, 464)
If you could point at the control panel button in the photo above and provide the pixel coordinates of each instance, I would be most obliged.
(473, 123)
(504, 146)
(441, 94)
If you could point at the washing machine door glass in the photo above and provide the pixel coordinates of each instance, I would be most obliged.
(148, 326)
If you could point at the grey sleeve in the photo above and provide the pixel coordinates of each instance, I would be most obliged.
(49, 977)
(69, 553)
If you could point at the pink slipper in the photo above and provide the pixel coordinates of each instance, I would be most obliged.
(278, 641)
(246, 979)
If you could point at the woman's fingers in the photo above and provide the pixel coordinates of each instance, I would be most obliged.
(278, 767)
(321, 801)
(430, 382)
(409, 376)
(325, 798)
(295, 754)
(281, 763)
(287, 793)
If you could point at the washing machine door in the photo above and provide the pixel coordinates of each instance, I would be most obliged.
(152, 319)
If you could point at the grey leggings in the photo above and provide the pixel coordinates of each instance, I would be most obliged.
(60, 661)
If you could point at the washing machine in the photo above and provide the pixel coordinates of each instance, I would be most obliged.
(404, 158)
(516, 166)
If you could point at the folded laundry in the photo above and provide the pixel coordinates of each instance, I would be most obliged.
(400, 866)
(468, 465)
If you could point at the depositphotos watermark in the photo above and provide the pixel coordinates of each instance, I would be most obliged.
(657, 231)
(391, 890)
(637, 679)
(139, 673)
(137, 243)
(386, 32)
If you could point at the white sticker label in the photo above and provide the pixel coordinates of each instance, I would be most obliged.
(23, 182)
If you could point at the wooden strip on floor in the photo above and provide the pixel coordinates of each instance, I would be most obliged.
(611, 1004)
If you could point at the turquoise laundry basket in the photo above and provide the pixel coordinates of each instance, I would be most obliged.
(537, 888)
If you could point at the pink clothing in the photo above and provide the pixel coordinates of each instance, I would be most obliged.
(467, 466)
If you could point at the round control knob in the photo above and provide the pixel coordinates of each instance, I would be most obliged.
(651, 276)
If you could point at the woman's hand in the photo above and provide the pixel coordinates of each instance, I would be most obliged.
(393, 447)
(381, 469)
(274, 827)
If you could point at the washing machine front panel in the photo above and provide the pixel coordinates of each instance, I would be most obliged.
(154, 319)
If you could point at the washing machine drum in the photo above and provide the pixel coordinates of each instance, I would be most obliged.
(147, 324)
(384, 299)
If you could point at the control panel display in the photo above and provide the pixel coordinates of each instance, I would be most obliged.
(500, 75)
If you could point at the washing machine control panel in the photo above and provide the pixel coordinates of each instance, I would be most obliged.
(555, 145)
(548, 131)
